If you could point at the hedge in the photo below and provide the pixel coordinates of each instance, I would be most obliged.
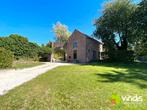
(6, 58)
(121, 56)
(20, 46)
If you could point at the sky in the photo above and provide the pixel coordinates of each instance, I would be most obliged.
(34, 19)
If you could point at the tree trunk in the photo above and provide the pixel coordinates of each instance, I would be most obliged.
(124, 44)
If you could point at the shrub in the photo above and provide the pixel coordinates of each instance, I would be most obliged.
(121, 56)
(142, 58)
(45, 53)
(6, 58)
(20, 46)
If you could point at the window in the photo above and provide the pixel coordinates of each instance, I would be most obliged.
(75, 44)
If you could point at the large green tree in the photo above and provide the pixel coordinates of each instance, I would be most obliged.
(114, 24)
(139, 29)
(114, 28)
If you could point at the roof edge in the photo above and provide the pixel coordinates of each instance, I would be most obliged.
(87, 36)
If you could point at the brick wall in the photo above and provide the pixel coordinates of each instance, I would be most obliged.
(91, 46)
(85, 48)
(81, 47)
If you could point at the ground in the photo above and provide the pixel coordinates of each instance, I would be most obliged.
(12, 78)
(81, 87)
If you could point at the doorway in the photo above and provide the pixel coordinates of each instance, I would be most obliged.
(75, 54)
(94, 55)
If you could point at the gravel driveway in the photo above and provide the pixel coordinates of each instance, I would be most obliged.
(10, 79)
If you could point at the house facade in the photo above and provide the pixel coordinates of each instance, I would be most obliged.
(82, 48)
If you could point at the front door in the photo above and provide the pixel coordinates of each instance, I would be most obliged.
(75, 54)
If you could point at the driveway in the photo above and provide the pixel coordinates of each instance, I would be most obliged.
(10, 79)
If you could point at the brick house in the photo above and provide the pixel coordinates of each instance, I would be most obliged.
(82, 48)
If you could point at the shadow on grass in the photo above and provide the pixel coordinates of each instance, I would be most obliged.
(135, 65)
(135, 73)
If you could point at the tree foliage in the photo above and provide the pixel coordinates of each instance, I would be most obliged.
(45, 53)
(123, 27)
(139, 29)
(20, 46)
(6, 58)
(61, 31)
(114, 24)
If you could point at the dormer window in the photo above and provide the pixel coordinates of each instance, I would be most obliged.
(75, 44)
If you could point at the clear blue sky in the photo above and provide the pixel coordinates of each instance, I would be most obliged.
(35, 18)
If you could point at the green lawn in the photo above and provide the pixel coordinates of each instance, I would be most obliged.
(25, 64)
(81, 87)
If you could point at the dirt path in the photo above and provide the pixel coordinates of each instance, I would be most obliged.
(10, 79)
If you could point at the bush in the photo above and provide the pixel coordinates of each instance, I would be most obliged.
(20, 46)
(142, 58)
(45, 53)
(6, 58)
(121, 56)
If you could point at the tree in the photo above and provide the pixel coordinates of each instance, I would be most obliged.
(140, 17)
(45, 53)
(113, 28)
(61, 32)
(20, 46)
(6, 58)
(114, 24)
(139, 29)
(49, 44)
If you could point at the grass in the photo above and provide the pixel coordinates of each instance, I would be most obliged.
(25, 64)
(81, 87)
